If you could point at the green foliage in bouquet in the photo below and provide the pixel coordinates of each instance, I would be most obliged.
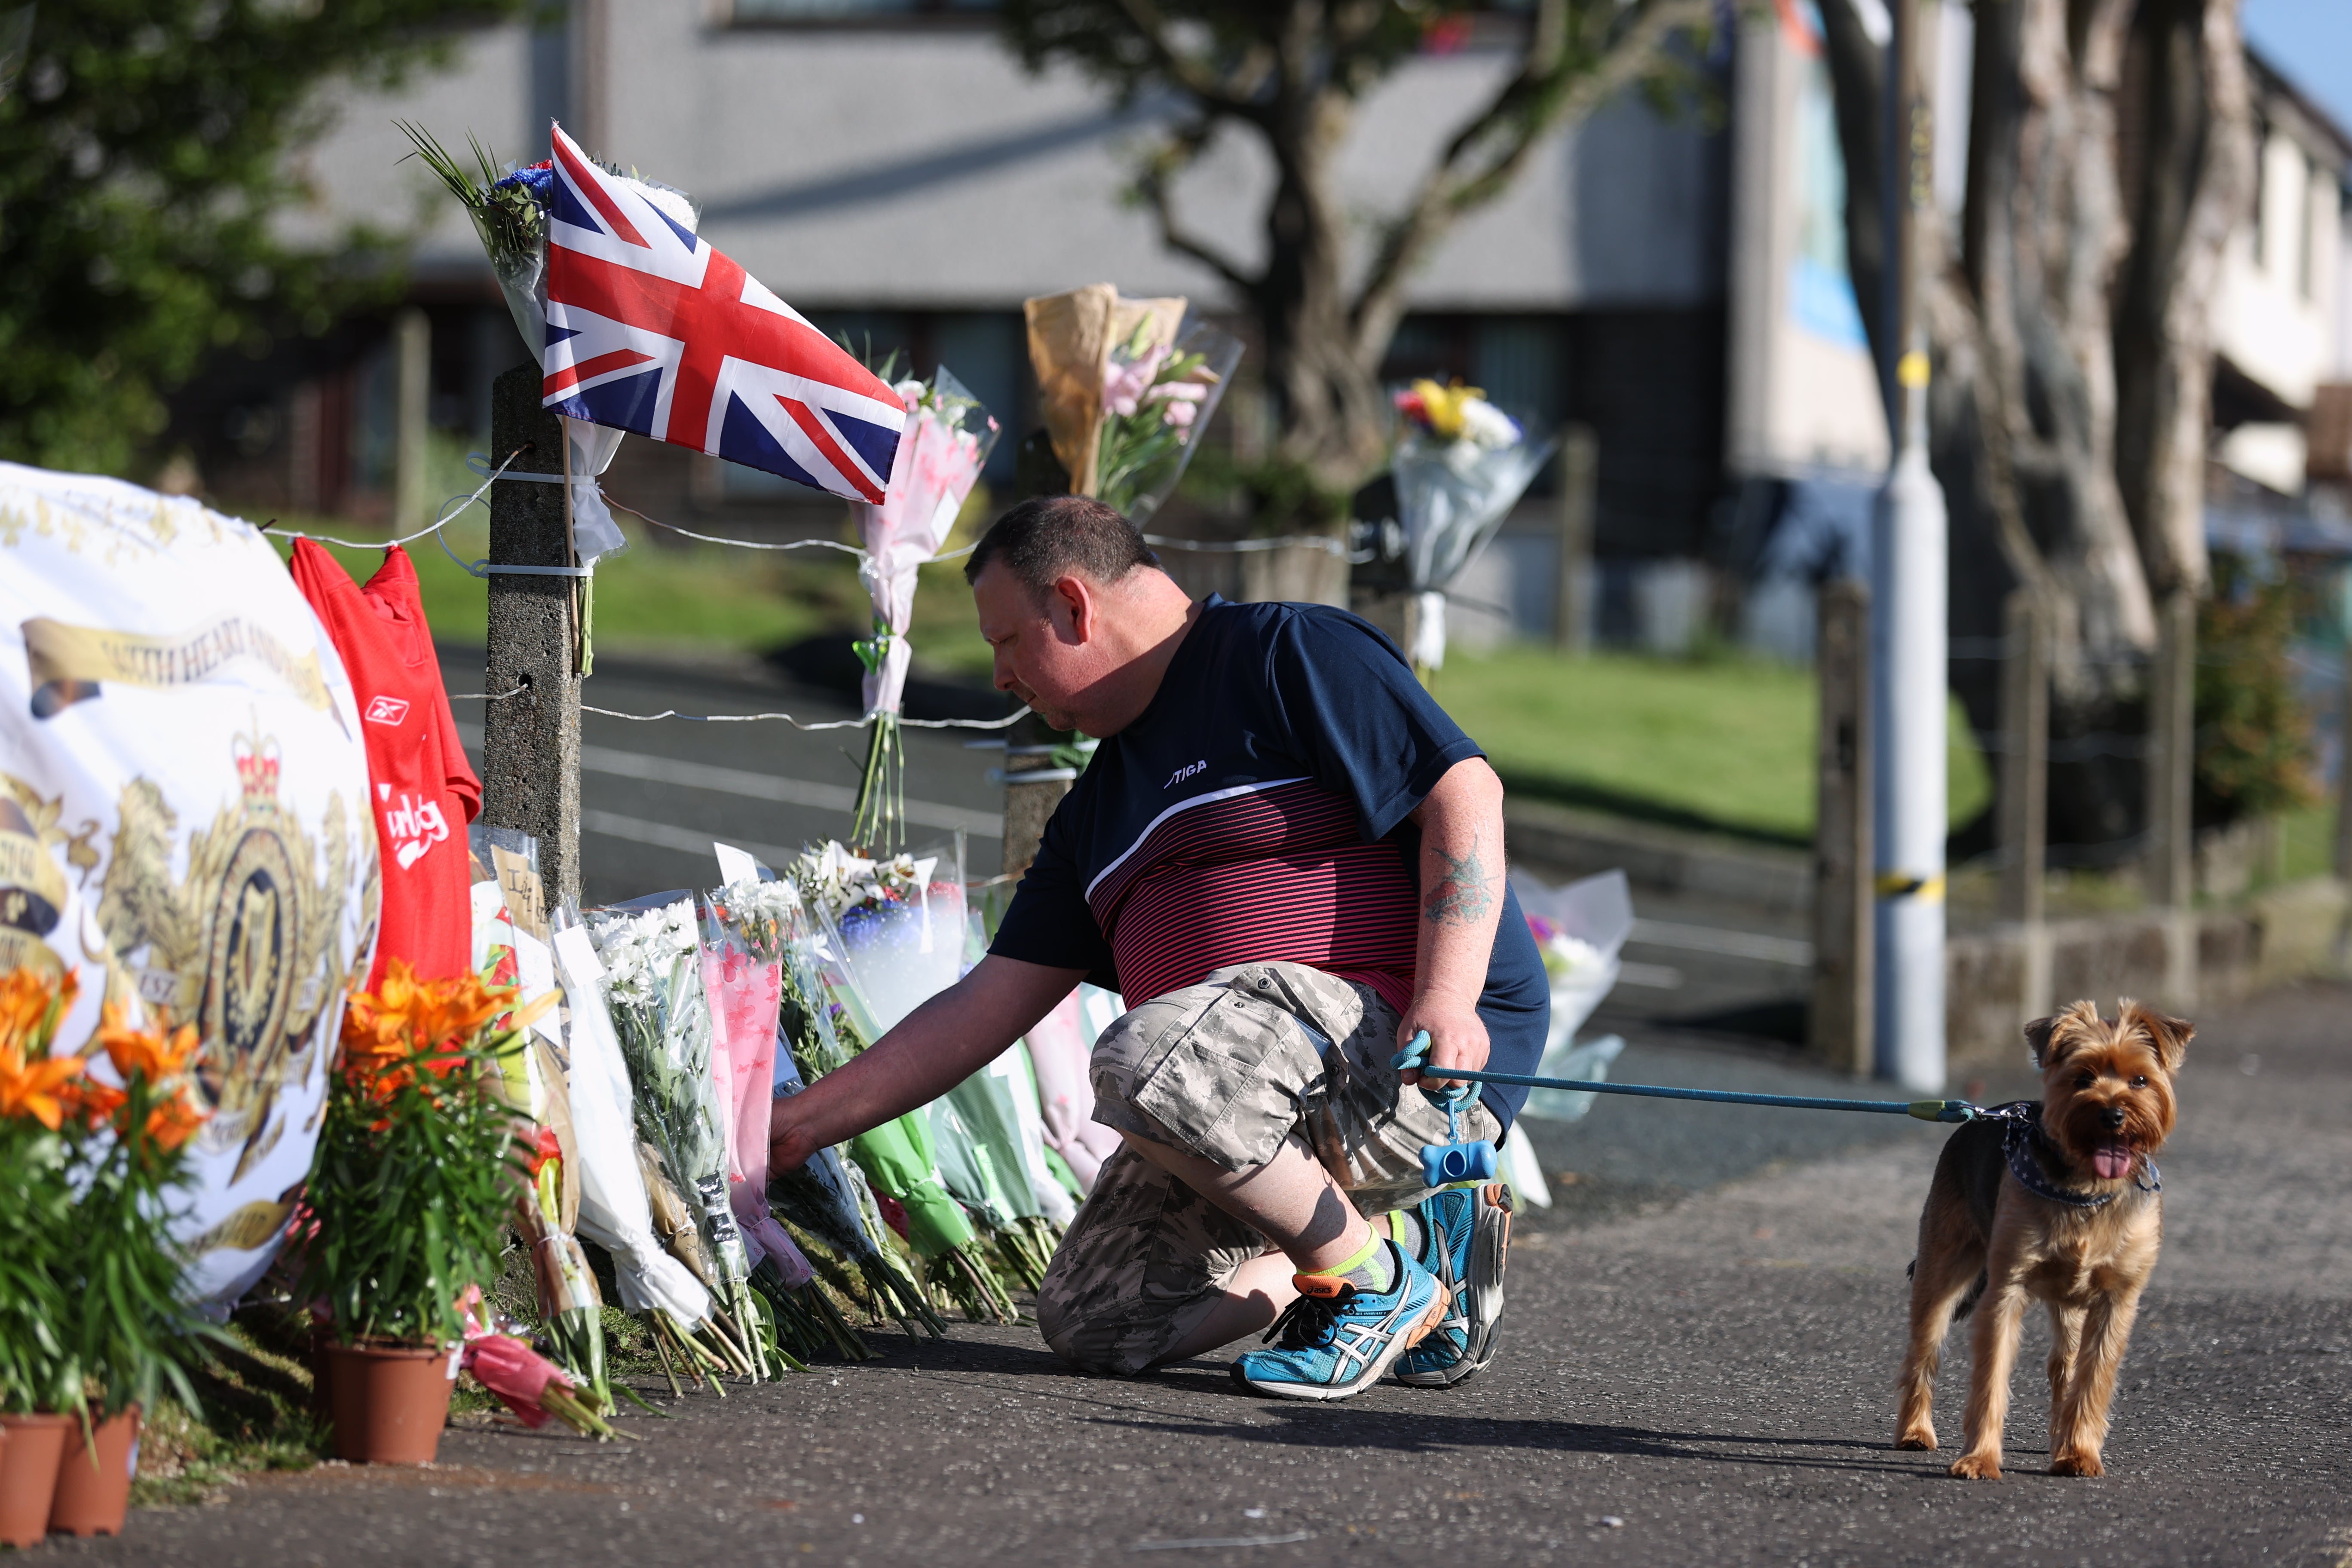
(417, 1165)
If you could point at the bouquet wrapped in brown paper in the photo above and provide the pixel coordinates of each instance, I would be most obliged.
(1127, 385)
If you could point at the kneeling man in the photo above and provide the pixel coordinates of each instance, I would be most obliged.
(1288, 848)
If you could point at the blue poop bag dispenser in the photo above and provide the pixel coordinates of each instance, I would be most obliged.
(1442, 1165)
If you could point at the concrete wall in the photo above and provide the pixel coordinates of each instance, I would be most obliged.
(914, 164)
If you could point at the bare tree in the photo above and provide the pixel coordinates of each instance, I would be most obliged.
(1292, 74)
(2061, 474)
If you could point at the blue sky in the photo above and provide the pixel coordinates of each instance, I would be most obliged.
(2310, 43)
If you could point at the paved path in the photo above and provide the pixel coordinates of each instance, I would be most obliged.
(1705, 1352)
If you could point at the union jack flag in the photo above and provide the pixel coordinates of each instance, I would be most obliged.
(651, 330)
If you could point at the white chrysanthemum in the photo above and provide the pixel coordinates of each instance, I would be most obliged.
(1486, 427)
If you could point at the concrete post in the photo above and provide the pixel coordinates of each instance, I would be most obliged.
(1580, 472)
(411, 360)
(2344, 769)
(530, 743)
(2024, 803)
(2344, 802)
(1843, 952)
(1029, 750)
(2171, 772)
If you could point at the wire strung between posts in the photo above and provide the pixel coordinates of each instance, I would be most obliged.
(1234, 546)
(798, 724)
(449, 514)
(753, 718)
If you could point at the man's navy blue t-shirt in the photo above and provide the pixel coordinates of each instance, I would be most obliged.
(1255, 811)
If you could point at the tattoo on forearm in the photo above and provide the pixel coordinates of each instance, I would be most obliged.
(1461, 897)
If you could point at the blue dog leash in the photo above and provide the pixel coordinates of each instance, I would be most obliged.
(1456, 1161)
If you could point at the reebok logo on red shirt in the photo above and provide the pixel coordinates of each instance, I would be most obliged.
(387, 710)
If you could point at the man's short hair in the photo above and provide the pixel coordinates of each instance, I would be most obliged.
(1047, 538)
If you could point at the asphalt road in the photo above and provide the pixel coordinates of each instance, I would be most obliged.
(1698, 1370)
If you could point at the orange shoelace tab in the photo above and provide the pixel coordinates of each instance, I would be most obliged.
(1327, 1286)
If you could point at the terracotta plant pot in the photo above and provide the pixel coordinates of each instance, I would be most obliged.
(94, 1492)
(389, 1402)
(28, 1474)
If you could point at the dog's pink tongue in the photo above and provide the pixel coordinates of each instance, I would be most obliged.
(2113, 1162)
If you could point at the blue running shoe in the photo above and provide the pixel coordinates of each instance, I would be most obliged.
(1337, 1340)
(1465, 1238)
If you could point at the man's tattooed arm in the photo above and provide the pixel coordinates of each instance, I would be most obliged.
(1463, 896)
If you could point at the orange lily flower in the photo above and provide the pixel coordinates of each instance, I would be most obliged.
(41, 1088)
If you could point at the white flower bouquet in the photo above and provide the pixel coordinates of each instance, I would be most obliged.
(661, 1016)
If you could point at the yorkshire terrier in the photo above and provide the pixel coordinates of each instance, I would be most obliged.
(2059, 1201)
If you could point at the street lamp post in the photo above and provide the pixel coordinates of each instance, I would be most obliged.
(1909, 569)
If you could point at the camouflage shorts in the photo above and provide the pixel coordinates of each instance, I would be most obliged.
(1229, 1070)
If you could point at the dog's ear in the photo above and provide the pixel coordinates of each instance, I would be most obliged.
(2170, 1036)
(2052, 1037)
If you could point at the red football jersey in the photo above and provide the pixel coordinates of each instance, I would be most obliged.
(425, 791)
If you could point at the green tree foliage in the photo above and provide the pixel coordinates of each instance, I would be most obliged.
(2255, 752)
(143, 165)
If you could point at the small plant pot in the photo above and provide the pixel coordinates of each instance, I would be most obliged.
(28, 1474)
(93, 1490)
(389, 1402)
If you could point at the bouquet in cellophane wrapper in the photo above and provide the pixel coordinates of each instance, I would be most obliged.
(747, 927)
(510, 948)
(508, 207)
(616, 1209)
(661, 1014)
(826, 1200)
(946, 442)
(1126, 387)
(1460, 465)
(888, 936)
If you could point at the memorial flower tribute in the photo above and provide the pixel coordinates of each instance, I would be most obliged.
(1460, 465)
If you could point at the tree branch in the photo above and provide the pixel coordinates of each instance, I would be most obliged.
(1237, 96)
(1152, 184)
(1556, 83)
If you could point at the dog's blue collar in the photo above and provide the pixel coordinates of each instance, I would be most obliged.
(2021, 1134)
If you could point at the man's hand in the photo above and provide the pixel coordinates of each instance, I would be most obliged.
(791, 1143)
(1457, 1036)
(935, 1048)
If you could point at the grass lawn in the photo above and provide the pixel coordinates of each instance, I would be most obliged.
(1724, 742)
(665, 595)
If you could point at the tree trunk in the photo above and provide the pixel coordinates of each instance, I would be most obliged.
(2191, 149)
(1329, 399)
(2053, 479)
(2045, 233)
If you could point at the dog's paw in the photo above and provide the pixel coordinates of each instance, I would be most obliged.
(1919, 1439)
(1977, 1468)
(2076, 1462)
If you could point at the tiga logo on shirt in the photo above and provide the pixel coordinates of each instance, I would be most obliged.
(413, 826)
(387, 710)
(1188, 771)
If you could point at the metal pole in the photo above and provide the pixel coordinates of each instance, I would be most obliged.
(530, 740)
(1909, 567)
(1844, 864)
